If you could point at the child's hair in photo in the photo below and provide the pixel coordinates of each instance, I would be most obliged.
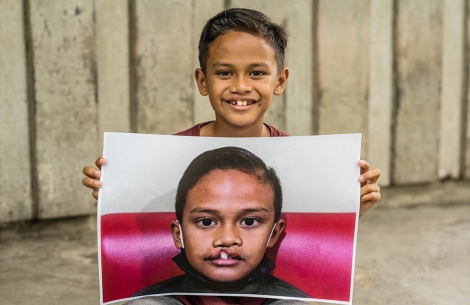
(243, 20)
(227, 158)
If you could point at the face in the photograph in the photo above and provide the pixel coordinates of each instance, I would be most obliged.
(227, 224)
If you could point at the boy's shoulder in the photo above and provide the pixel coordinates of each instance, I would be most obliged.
(195, 131)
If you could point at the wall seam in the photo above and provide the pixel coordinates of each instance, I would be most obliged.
(315, 75)
(132, 45)
(465, 96)
(31, 98)
(395, 93)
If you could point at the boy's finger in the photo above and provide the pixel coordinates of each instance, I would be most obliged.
(91, 172)
(370, 176)
(100, 161)
(370, 188)
(95, 194)
(372, 198)
(91, 183)
(364, 165)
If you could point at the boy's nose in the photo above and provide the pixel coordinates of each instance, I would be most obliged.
(227, 236)
(241, 85)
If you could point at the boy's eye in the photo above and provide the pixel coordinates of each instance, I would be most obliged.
(257, 73)
(206, 222)
(224, 73)
(249, 222)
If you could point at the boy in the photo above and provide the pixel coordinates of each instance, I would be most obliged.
(228, 205)
(241, 56)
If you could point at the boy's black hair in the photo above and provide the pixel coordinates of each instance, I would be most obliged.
(227, 158)
(243, 20)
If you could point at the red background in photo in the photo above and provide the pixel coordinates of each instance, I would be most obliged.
(314, 254)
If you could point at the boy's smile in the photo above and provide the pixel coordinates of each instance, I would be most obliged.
(227, 223)
(240, 80)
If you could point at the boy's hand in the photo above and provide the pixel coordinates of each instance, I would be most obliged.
(93, 176)
(370, 191)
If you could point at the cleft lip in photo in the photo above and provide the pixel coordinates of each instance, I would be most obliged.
(225, 258)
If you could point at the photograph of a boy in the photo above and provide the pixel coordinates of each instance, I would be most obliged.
(228, 206)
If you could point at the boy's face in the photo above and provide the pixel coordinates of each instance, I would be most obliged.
(241, 78)
(227, 222)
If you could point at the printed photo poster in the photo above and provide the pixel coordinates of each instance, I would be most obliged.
(186, 218)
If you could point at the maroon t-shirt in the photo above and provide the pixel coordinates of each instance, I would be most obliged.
(195, 131)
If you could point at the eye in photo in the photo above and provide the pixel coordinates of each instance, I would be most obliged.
(254, 218)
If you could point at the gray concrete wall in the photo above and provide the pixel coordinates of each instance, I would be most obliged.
(395, 70)
(15, 164)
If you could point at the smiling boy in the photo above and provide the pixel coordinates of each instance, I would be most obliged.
(241, 55)
(228, 205)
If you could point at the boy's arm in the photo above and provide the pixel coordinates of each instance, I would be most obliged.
(92, 179)
(370, 191)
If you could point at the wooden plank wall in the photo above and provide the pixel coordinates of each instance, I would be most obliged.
(16, 200)
(343, 75)
(395, 70)
(419, 30)
(65, 104)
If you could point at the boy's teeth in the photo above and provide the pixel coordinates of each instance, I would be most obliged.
(242, 103)
(223, 255)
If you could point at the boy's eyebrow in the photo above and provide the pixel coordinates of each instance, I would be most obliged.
(217, 212)
(224, 64)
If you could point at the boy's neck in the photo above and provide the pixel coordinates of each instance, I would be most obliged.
(218, 129)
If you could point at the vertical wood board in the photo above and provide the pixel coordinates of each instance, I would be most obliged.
(15, 166)
(419, 55)
(164, 59)
(381, 88)
(66, 112)
(452, 94)
(343, 63)
(112, 55)
(299, 94)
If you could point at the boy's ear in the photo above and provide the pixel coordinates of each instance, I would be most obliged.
(281, 81)
(280, 224)
(175, 232)
(201, 82)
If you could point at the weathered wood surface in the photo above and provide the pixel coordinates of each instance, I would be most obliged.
(419, 56)
(164, 59)
(452, 92)
(112, 56)
(343, 67)
(381, 88)
(300, 54)
(15, 166)
(277, 12)
(77, 82)
(65, 106)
